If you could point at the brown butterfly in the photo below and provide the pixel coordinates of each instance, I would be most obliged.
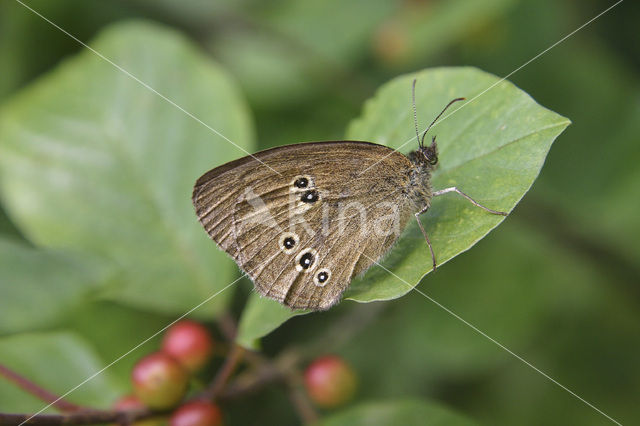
(302, 220)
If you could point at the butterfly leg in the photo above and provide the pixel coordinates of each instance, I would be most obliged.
(471, 200)
(433, 256)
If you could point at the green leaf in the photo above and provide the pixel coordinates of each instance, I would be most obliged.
(402, 412)
(92, 160)
(7, 228)
(493, 149)
(52, 281)
(58, 362)
(259, 318)
(107, 327)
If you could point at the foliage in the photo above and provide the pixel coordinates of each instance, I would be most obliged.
(406, 412)
(100, 249)
(92, 160)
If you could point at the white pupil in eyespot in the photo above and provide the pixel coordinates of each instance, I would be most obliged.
(289, 242)
(310, 196)
(301, 182)
(306, 260)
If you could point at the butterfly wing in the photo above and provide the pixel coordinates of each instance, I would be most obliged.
(300, 219)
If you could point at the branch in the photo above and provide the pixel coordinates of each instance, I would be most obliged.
(262, 372)
(227, 326)
(282, 370)
(86, 417)
(222, 377)
(343, 330)
(38, 391)
(248, 384)
(299, 398)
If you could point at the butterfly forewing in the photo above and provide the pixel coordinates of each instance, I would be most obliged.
(301, 220)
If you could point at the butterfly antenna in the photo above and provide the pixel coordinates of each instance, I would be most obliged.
(436, 119)
(415, 112)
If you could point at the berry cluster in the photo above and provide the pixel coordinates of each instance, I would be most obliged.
(160, 380)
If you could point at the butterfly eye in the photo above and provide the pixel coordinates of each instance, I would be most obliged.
(302, 182)
(305, 260)
(321, 278)
(310, 196)
(288, 241)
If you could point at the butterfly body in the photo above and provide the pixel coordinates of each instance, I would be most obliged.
(302, 220)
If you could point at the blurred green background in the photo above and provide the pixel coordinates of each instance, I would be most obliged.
(558, 283)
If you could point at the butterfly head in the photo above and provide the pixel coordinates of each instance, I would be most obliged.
(427, 155)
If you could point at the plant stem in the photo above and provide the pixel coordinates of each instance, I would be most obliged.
(261, 373)
(38, 391)
(240, 387)
(299, 398)
(222, 377)
(85, 417)
(227, 326)
(247, 384)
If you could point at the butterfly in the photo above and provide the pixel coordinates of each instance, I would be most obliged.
(303, 220)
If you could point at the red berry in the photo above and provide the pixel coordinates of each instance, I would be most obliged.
(188, 342)
(330, 381)
(159, 380)
(197, 413)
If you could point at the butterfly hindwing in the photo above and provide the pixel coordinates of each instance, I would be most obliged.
(275, 211)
